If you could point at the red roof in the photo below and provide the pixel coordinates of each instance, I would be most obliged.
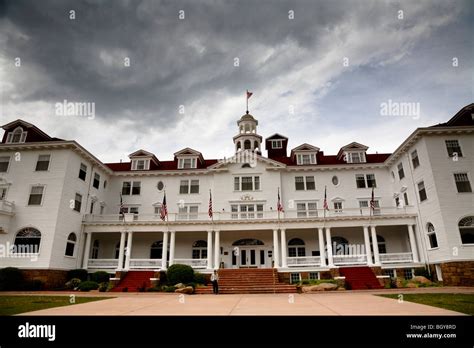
(332, 159)
(163, 165)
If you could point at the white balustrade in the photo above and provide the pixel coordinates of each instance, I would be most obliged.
(360, 259)
(194, 263)
(102, 263)
(302, 261)
(396, 257)
(145, 263)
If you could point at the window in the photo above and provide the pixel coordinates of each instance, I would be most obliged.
(365, 204)
(401, 173)
(36, 195)
(17, 136)
(102, 207)
(277, 144)
(96, 181)
(453, 148)
(136, 187)
(304, 183)
(43, 163)
(355, 157)
(71, 244)
(27, 241)
(83, 172)
(194, 186)
(4, 163)
(466, 230)
(156, 250)
(188, 212)
(390, 272)
(335, 180)
(199, 249)
(306, 209)
(246, 211)
(313, 276)
(381, 245)
(304, 159)
(140, 164)
(360, 181)
(185, 163)
(338, 207)
(95, 249)
(371, 180)
(431, 235)
(78, 202)
(408, 273)
(188, 186)
(247, 183)
(462, 182)
(405, 198)
(295, 278)
(422, 191)
(105, 184)
(414, 159)
(296, 247)
(397, 202)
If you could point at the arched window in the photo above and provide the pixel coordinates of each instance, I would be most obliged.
(255, 146)
(95, 249)
(17, 136)
(156, 250)
(339, 245)
(247, 145)
(238, 146)
(296, 247)
(248, 241)
(246, 165)
(71, 244)
(200, 249)
(466, 230)
(27, 241)
(431, 233)
(381, 244)
(247, 128)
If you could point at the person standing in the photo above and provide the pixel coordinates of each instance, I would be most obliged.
(215, 282)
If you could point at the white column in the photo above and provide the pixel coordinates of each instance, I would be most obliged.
(329, 247)
(87, 250)
(209, 249)
(276, 250)
(284, 262)
(121, 251)
(375, 245)
(128, 254)
(164, 256)
(414, 250)
(367, 246)
(172, 246)
(217, 251)
(322, 254)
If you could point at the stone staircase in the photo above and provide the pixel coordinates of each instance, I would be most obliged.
(133, 281)
(358, 278)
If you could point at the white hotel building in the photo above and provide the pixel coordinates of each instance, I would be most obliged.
(57, 196)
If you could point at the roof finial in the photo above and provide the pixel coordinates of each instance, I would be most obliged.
(249, 94)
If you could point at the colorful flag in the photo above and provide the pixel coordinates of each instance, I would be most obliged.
(325, 203)
(279, 205)
(163, 209)
(210, 204)
(372, 200)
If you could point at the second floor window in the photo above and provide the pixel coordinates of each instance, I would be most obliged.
(304, 183)
(306, 209)
(453, 148)
(414, 159)
(401, 173)
(366, 204)
(188, 212)
(338, 207)
(83, 172)
(363, 181)
(96, 182)
(4, 163)
(246, 211)
(246, 183)
(131, 187)
(422, 191)
(36, 195)
(188, 186)
(43, 163)
(462, 182)
(78, 202)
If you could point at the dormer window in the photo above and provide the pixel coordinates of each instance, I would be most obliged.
(355, 157)
(277, 144)
(17, 136)
(305, 158)
(187, 162)
(140, 164)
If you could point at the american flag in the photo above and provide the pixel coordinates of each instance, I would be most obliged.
(372, 200)
(210, 204)
(325, 203)
(163, 209)
(122, 207)
(279, 205)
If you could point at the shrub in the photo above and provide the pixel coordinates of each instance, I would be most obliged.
(155, 289)
(73, 283)
(423, 272)
(88, 285)
(192, 284)
(11, 279)
(180, 274)
(200, 278)
(100, 277)
(103, 287)
(77, 273)
(33, 285)
(168, 288)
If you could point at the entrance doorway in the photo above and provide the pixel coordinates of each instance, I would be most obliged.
(248, 253)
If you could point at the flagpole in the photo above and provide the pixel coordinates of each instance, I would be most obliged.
(212, 209)
(247, 97)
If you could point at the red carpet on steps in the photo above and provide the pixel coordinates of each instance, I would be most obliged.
(134, 280)
(358, 278)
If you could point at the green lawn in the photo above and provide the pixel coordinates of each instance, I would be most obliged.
(11, 305)
(463, 303)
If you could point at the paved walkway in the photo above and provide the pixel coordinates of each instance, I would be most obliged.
(328, 303)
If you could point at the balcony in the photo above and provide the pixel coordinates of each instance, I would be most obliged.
(249, 215)
(303, 261)
(144, 263)
(396, 258)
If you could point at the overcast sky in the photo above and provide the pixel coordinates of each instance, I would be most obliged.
(319, 70)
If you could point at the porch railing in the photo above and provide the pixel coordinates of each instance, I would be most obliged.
(302, 261)
(396, 257)
(102, 263)
(194, 263)
(145, 263)
(350, 259)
